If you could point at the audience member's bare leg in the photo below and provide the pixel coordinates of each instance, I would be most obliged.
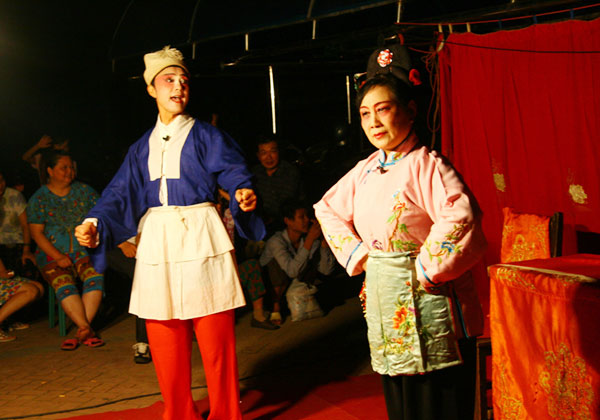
(91, 303)
(73, 307)
(27, 293)
(258, 309)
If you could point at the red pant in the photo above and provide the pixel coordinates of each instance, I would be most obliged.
(171, 346)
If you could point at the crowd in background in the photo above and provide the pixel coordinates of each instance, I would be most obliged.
(45, 191)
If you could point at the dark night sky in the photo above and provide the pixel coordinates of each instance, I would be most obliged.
(56, 77)
(54, 72)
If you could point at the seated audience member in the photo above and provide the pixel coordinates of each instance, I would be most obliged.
(15, 241)
(276, 181)
(122, 260)
(54, 211)
(16, 292)
(45, 144)
(254, 285)
(249, 269)
(19, 184)
(295, 252)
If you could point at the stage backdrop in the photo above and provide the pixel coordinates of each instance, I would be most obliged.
(521, 123)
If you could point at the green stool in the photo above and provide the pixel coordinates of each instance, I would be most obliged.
(62, 323)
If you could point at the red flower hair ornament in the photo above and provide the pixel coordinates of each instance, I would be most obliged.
(395, 60)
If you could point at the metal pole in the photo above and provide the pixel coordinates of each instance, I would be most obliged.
(272, 90)
(399, 11)
(348, 99)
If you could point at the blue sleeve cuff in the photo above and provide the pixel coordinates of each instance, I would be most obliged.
(351, 254)
(424, 273)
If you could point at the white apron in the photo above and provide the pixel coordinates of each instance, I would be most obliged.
(185, 265)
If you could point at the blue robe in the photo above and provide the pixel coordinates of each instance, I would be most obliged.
(209, 158)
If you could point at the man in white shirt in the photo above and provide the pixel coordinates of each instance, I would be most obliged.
(297, 251)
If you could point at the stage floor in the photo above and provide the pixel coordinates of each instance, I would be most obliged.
(39, 381)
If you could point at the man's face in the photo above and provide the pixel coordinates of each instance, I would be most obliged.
(300, 223)
(268, 155)
(171, 91)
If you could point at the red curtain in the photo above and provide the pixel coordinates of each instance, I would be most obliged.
(521, 123)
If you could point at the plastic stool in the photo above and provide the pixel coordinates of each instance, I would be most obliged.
(62, 323)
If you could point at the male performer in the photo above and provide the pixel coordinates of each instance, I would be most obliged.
(185, 276)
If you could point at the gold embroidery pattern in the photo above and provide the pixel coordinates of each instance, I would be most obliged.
(513, 276)
(500, 183)
(567, 385)
(523, 250)
(577, 193)
(508, 406)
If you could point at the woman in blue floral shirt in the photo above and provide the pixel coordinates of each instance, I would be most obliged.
(53, 212)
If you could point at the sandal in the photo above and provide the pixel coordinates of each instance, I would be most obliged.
(69, 344)
(5, 338)
(83, 333)
(276, 318)
(93, 342)
(18, 326)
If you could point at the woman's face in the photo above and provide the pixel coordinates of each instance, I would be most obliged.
(385, 122)
(63, 172)
(171, 91)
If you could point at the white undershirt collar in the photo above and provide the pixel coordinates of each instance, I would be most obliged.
(165, 145)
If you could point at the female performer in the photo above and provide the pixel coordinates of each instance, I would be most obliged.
(404, 216)
(185, 277)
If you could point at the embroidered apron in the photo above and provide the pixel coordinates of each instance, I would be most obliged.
(410, 331)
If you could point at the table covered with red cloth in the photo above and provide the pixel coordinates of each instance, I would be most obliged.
(545, 331)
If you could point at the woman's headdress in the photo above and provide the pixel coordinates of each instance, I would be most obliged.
(393, 60)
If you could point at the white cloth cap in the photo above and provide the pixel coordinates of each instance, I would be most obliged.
(157, 61)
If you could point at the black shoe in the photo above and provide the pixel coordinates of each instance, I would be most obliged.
(266, 324)
(142, 353)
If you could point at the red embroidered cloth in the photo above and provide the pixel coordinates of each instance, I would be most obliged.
(522, 126)
(545, 338)
(581, 264)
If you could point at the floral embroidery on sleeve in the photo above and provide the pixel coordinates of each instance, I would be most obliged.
(336, 242)
(449, 245)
